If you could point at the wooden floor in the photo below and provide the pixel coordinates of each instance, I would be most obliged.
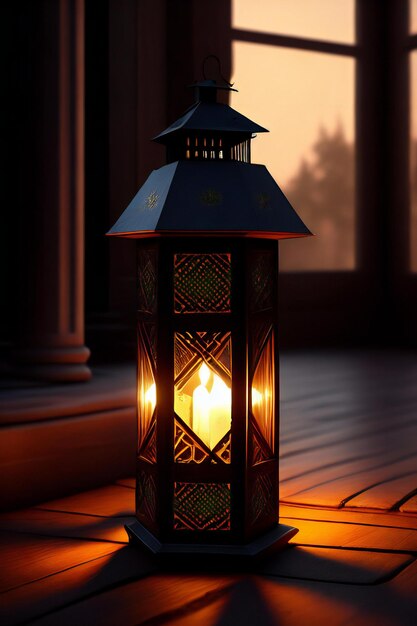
(348, 483)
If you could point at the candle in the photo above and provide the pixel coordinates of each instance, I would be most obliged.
(220, 410)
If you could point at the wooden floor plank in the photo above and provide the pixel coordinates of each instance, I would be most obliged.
(58, 524)
(410, 506)
(141, 601)
(335, 492)
(343, 535)
(386, 495)
(336, 566)
(72, 585)
(111, 501)
(26, 558)
(392, 519)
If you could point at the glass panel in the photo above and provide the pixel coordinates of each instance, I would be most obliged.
(203, 397)
(202, 283)
(263, 383)
(413, 16)
(147, 296)
(146, 391)
(146, 498)
(202, 506)
(306, 99)
(315, 19)
(413, 163)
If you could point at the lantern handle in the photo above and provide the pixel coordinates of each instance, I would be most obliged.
(219, 66)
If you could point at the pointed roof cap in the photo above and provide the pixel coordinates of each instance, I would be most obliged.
(209, 115)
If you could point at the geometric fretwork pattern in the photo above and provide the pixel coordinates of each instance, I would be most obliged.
(263, 499)
(201, 506)
(202, 283)
(262, 392)
(260, 450)
(148, 332)
(202, 384)
(186, 449)
(223, 448)
(147, 298)
(259, 329)
(146, 497)
(192, 348)
(262, 274)
(148, 450)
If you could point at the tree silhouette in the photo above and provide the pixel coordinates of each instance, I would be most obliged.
(322, 192)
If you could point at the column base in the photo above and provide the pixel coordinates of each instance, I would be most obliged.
(273, 540)
(64, 364)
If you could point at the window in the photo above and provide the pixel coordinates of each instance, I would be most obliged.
(305, 97)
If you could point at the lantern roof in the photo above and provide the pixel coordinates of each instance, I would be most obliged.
(210, 198)
(208, 115)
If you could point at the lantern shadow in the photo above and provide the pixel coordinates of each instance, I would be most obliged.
(346, 591)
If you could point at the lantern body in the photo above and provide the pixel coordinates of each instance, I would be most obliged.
(207, 226)
(207, 466)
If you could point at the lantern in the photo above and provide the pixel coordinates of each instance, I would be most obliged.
(207, 226)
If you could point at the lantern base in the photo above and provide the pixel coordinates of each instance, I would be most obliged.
(270, 541)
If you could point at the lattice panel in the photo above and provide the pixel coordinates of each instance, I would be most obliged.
(148, 338)
(202, 283)
(146, 498)
(147, 284)
(259, 329)
(186, 449)
(263, 500)
(202, 391)
(262, 273)
(260, 451)
(223, 448)
(212, 347)
(148, 450)
(263, 391)
(202, 506)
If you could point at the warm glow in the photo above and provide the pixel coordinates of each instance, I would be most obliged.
(256, 397)
(204, 374)
(332, 20)
(150, 397)
(211, 407)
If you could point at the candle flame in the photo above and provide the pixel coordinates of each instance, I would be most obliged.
(204, 374)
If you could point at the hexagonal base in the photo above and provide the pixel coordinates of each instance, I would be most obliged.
(270, 541)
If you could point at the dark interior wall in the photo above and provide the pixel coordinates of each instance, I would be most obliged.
(137, 72)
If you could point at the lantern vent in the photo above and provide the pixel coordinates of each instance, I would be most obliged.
(209, 130)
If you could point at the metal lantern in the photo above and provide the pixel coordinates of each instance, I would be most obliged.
(207, 226)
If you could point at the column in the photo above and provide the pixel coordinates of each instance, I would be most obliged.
(50, 342)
